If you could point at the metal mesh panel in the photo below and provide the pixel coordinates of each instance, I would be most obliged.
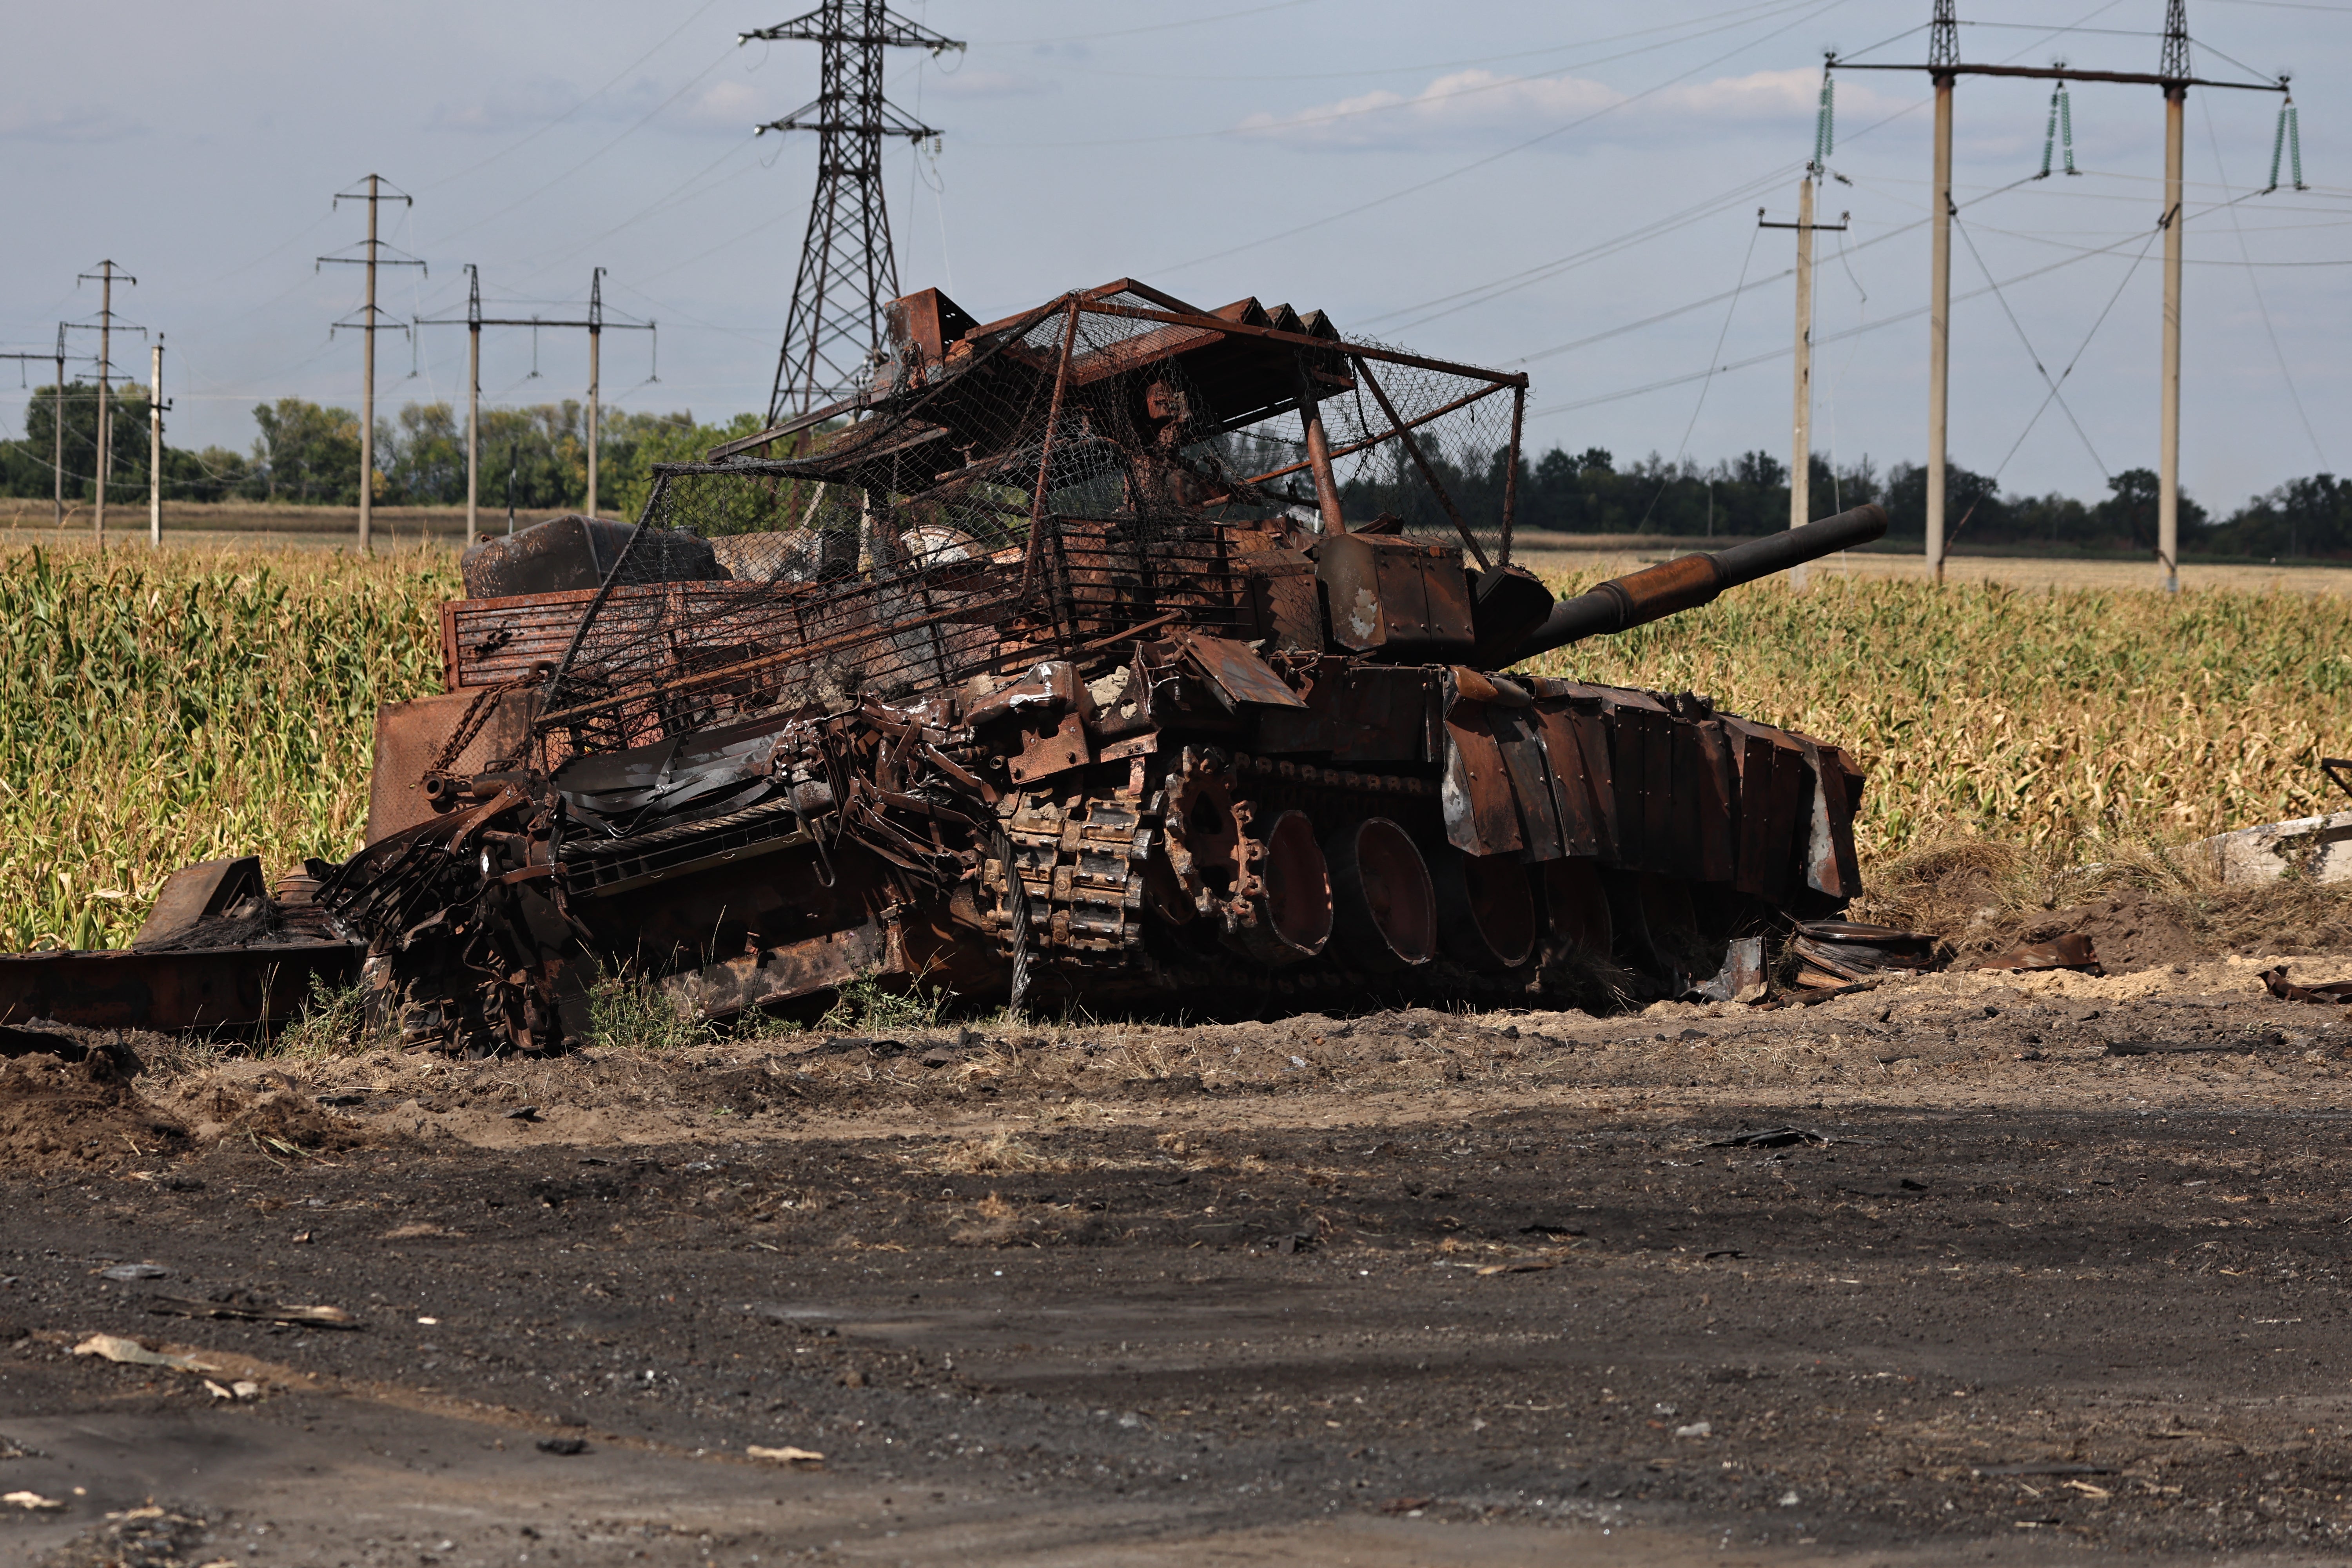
(1043, 486)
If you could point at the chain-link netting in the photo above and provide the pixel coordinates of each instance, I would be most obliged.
(1022, 492)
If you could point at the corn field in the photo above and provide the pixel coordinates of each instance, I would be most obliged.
(2048, 719)
(157, 710)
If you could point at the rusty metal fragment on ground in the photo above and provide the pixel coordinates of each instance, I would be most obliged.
(2276, 982)
(2073, 950)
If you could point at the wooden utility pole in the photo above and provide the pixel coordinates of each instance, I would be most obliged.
(57, 420)
(473, 397)
(595, 337)
(57, 431)
(1944, 41)
(105, 278)
(2175, 69)
(156, 446)
(372, 196)
(474, 322)
(2172, 75)
(1801, 443)
(2167, 463)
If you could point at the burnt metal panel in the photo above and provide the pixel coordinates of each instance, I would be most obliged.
(1523, 759)
(1773, 796)
(1234, 674)
(235, 989)
(1829, 839)
(1660, 824)
(409, 737)
(1593, 746)
(1476, 792)
(782, 973)
(194, 894)
(1394, 596)
(1312, 727)
(1573, 805)
(1289, 607)
(1384, 714)
(1714, 794)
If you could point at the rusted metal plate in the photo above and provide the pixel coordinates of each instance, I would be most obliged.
(1662, 839)
(1572, 803)
(1476, 795)
(234, 989)
(1289, 610)
(409, 736)
(1234, 674)
(1045, 752)
(1715, 792)
(782, 973)
(1385, 715)
(194, 894)
(1592, 747)
(486, 641)
(1629, 766)
(1310, 727)
(1829, 841)
(1785, 814)
(1395, 595)
(1531, 785)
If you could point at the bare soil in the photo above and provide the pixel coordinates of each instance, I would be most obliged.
(2000, 1267)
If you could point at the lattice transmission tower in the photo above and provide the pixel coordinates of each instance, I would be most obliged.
(848, 270)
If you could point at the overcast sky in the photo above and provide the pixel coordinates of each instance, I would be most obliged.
(1488, 180)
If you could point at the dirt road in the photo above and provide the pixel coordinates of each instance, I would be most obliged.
(1962, 1269)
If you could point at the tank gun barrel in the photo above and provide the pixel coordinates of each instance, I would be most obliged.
(1657, 592)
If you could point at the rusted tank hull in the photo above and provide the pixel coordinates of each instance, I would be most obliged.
(1038, 680)
(233, 989)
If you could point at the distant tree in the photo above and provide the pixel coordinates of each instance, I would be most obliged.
(25, 465)
(307, 453)
(2128, 515)
(2311, 515)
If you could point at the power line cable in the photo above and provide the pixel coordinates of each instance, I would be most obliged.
(1704, 385)
(1714, 20)
(1476, 164)
(1153, 28)
(2253, 281)
(1305, 122)
(2121, 284)
(517, 146)
(2019, 326)
(516, 206)
(1770, 354)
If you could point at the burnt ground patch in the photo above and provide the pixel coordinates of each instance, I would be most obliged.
(1910, 1325)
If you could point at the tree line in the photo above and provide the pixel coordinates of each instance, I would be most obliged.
(1588, 492)
(307, 453)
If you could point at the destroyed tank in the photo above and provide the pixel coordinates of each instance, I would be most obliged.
(1118, 653)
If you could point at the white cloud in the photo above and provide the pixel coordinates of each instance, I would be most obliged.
(80, 123)
(1476, 106)
(734, 106)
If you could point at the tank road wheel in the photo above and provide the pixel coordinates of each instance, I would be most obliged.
(1384, 906)
(1488, 910)
(1280, 912)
